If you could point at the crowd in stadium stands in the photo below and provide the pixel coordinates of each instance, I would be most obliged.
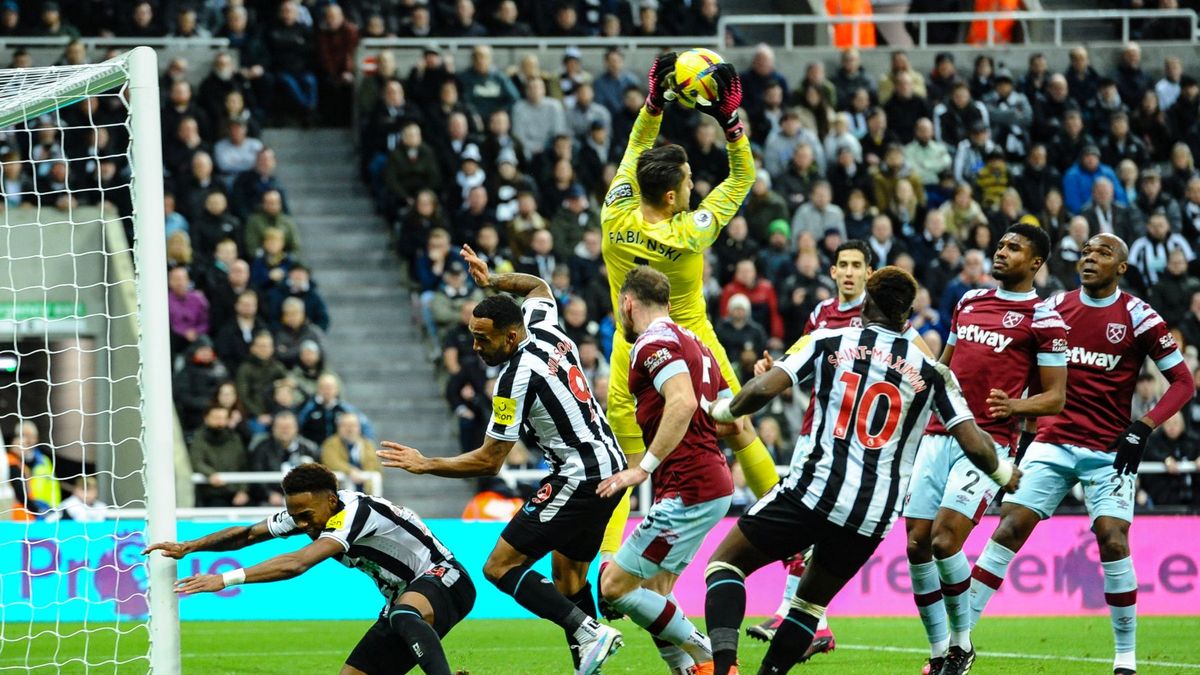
(928, 166)
(928, 163)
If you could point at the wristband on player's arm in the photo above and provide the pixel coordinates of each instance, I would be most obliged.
(649, 462)
(720, 411)
(234, 577)
(734, 129)
(1003, 473)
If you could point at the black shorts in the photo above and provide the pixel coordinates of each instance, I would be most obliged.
(782, 526)
(449, 591)
(565, 516)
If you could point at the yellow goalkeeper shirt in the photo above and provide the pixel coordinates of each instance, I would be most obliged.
(674, 247)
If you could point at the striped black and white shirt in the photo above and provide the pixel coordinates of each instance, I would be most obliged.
(386, 542)
(873, 393)
(543, 399)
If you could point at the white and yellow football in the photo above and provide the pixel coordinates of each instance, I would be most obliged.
(694, 81)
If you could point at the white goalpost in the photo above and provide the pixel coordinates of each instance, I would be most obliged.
(85, 372)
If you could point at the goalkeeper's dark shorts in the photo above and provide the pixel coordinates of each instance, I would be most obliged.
(449, 591)
(781, 526)
(565, 515)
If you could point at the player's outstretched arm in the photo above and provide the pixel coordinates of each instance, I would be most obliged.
(280, 567)
(979, 447)
(679, 405)
(724, 201)
(229, 539)
(524, 285)
(486, 460)
(645, 129)
(754, 395)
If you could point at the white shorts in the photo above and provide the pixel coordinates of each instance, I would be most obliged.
(1049, 471)
(944, 478)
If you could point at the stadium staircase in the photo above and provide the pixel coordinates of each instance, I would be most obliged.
(373, 343)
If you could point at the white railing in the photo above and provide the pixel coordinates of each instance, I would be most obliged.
(373, 480)
(543, 44)
(94, 42)
(922, 21)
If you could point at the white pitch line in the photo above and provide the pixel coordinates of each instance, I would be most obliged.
(984, 655)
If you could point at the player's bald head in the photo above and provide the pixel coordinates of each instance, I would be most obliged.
(1118, 245)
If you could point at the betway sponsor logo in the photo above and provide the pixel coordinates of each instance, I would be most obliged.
(982, 336)
(1082, 357)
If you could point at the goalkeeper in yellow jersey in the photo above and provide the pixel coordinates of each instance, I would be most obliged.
(645, 221)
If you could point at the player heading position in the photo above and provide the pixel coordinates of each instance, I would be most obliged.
(1092, 441)
(646, 220)
(542, 397)
(875, 390)
(672, 372)
(428, 592)
(1020, 343)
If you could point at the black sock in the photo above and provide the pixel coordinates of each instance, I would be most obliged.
(537, 594)
(586, 602)
(724, 609)
(420, 638)
(791, 640)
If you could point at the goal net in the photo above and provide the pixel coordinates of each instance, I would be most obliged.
(85, 399)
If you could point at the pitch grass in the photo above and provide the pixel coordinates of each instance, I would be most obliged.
(527, 647)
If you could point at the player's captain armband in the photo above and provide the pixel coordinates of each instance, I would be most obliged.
(504, 410)
(622, 191)
(337, 521)
(799, 345)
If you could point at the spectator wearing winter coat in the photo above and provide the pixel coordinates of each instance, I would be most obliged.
(740, 335)
(1150, 253)
(484, 87)
(761, 294)
(782, 141)
(187, 309)
(972, 152)
(348, 451)
(1078, 181)
(283, 450)
(233, 338)
(298, 284)
(196, 382)
(291, 47)
(294, 329)
(954, 119)
(927, 156)
(1172, 291)
(819, 214)
(1010, 114)
(318, 418)
(257, 375)
(218, 449)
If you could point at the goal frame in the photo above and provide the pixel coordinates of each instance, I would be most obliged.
(137, 70)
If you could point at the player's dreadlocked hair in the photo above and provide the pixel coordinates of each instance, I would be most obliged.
(311, 477)
(648, 286)
(501, 309)
(660, 170)
(892, 290)
(1036, 236)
